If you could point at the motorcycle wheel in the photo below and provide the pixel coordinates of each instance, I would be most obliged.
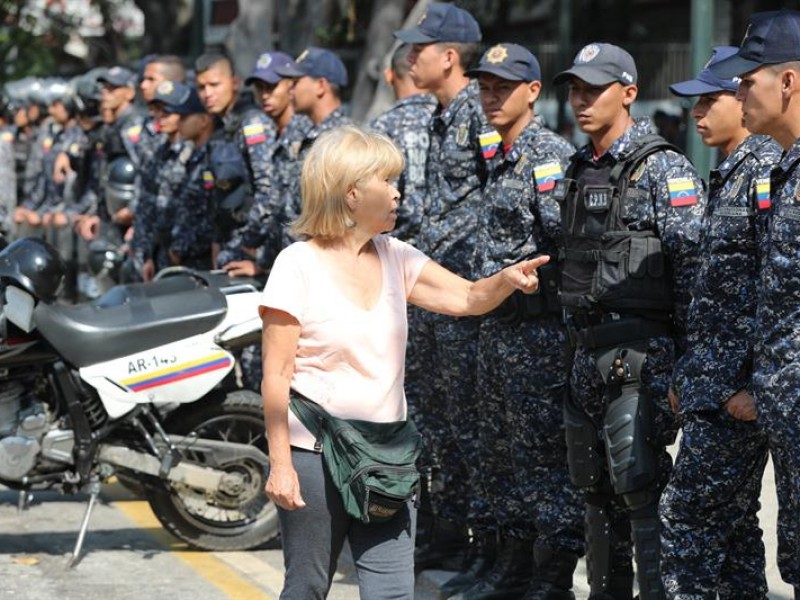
(220, 521)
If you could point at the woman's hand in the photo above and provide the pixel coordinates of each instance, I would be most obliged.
(283, 488)
(523, 275)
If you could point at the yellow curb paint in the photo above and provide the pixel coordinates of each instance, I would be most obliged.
(205, 564)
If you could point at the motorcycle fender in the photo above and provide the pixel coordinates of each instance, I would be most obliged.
(180, 372)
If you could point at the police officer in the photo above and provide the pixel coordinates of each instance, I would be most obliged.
(770, 95)
(319, 77)
(406, 122)
(120, 139)
(441, 366)
(8, 193)
(190, 232)
(272, 92)
(711, 538)
(162, 177)
(159, 68)
(248, 129)
(631, 211)
(523, 458)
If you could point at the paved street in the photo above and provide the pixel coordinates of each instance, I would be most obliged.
(128, 556)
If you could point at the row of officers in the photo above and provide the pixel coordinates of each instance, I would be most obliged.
(669, 302)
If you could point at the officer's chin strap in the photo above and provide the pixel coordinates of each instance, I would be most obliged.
(627, 432)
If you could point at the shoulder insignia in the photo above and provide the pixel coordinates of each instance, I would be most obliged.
(546, 175)
(254, 134)
(737, 186)
(490, 143)
(462, 134)
(134, 133)
(74, 149)
(763, 199)
(681, 192)
(639, 171)
(521, 164)
(7, 136)
(208, 179)
(47, 144)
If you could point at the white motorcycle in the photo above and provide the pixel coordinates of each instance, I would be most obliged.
(140, 384)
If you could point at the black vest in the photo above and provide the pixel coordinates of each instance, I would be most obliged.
(605, 267)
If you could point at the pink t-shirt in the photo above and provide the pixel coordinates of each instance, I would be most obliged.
(349, 360)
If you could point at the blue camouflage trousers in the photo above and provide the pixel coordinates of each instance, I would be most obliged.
(440, 388)
(522, 379)
(711, 541)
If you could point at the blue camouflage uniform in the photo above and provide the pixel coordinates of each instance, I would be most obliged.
(8, 193)
(676, 220)
(258, 232)
(41, 155)
(777, 376)
(711, 541)
(151, 139)
(162, 178)
(522, 370)
(441, 366)
(192, 229)
(406, 122)
(253, 133)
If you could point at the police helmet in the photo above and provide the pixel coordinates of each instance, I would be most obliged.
(120, 184)
(88, 94)
(35, 265)
(105, 259)
(59, 90)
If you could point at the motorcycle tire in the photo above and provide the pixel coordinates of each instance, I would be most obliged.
(223, 522)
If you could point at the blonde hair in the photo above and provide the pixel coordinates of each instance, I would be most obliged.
(338, 161)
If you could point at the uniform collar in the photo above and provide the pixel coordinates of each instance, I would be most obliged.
(448, 114)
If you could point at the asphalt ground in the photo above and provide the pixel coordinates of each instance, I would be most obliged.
(127, 556)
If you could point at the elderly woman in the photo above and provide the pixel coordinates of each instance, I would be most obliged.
(334, 313)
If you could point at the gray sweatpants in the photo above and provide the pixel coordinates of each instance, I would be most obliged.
(313, 538)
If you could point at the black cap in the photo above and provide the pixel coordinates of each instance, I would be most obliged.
(706, 82)
(182, 99)
(118, 77)
(508, 61)
(266, 66)
(601, 64)
(442, 23)
(319, 63)
(771, 38)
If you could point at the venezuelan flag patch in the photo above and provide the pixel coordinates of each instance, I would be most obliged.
(762, 193)
(254, 134)
(208, 180)
(134, 133)
(546, 176)
(490, 142)
(681, 192)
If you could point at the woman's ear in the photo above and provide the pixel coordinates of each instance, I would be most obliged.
(351, 198)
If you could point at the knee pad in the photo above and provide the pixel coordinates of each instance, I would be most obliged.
(627, 428)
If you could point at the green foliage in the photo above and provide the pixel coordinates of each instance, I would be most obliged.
(22, 52)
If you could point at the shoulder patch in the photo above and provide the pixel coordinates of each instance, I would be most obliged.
(47, 143)
(462, 134)
(74, 149)
(763, 199)
(208, 179)
(134, 133)
(681, 192)
(7, 136)
(546, 175)
(490, 143)
(254, 134)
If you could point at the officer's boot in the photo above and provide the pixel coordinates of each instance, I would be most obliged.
(448, 545)
(509, 577)
(552, 574)
(479, 561)
(647, 546)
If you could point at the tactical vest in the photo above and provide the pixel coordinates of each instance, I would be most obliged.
(604, 266)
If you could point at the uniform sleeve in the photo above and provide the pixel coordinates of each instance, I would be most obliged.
(256, 136)
(680, 202)
(193, 230)
(287, 286)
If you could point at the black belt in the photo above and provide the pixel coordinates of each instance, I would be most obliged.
(615, 332)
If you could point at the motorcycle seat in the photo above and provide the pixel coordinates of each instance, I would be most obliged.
(87, 334)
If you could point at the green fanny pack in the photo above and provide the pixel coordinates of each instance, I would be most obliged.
(373, 465)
